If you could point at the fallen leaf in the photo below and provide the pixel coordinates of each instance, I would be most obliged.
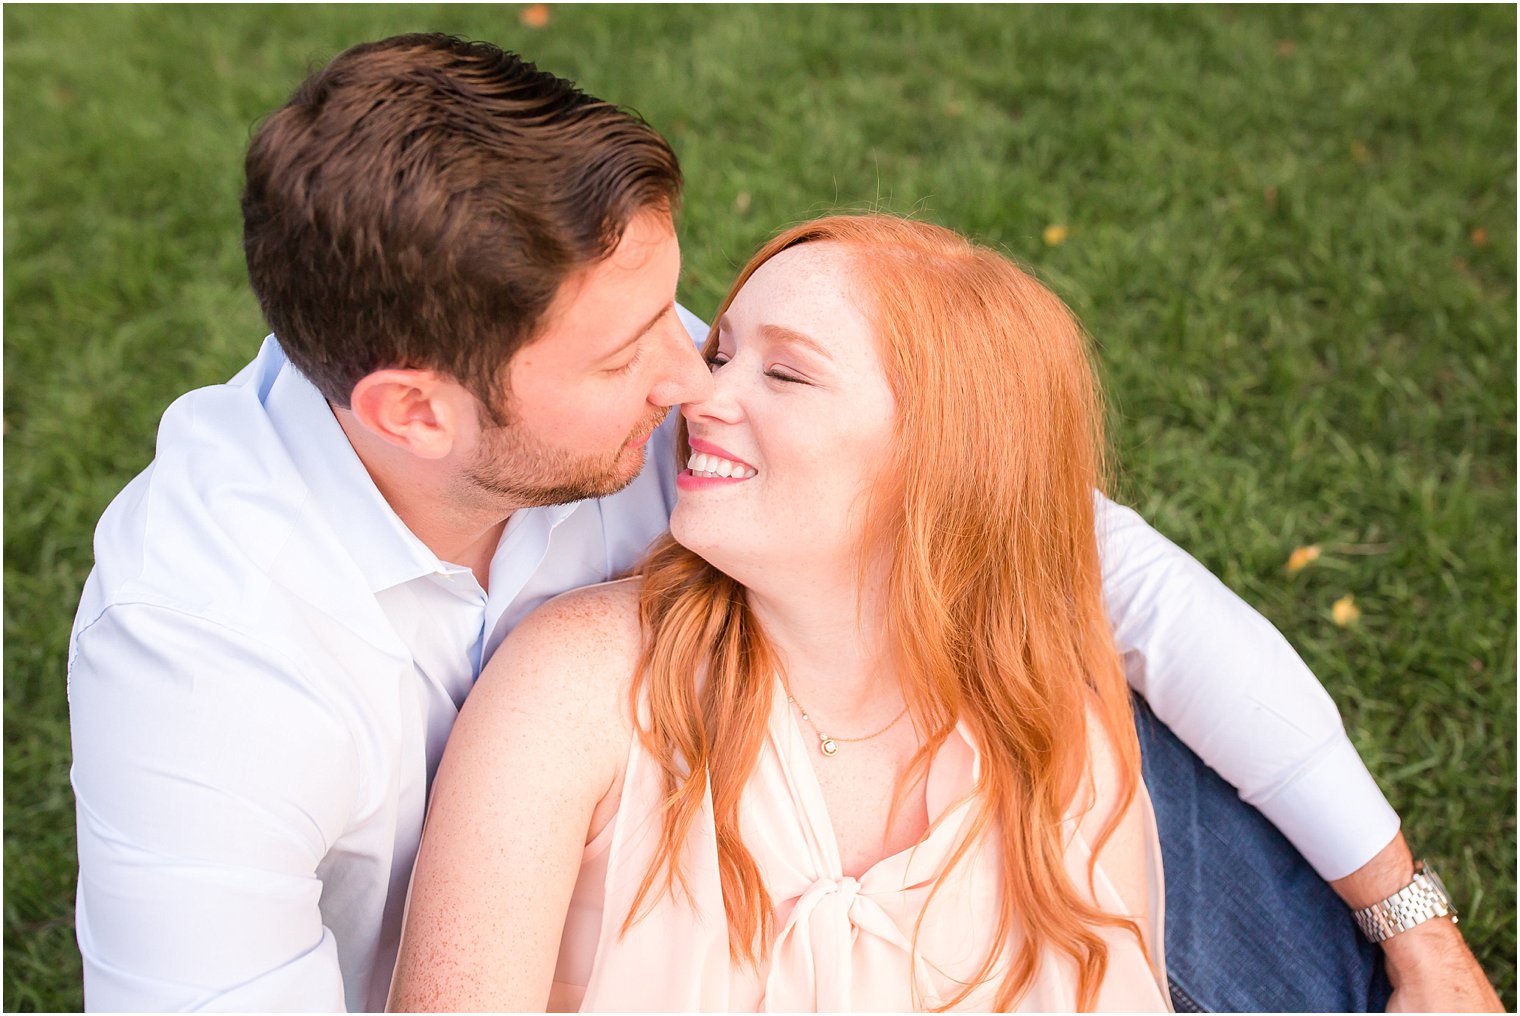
(1302, 558)
(1270, 195)
(1480, 237)
(1345, 612)
(1285, 47)
(741, 202)
(1360, 153)
(534, 15)
(1055, 235)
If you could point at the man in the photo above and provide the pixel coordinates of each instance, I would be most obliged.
(470, 268)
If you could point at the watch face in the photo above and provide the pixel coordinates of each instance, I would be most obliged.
(1440, 887)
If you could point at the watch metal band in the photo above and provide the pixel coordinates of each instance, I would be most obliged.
(1423, 899)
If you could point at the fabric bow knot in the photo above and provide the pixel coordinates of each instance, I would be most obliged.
(835, 928)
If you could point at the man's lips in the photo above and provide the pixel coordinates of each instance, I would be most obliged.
(643, 439)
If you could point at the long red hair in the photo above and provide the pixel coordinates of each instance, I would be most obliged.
(985, 523)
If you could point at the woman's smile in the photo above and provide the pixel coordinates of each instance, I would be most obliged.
(709, 462)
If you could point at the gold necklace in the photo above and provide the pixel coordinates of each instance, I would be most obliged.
(829, 746)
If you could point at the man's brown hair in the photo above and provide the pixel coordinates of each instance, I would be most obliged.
(419, 201)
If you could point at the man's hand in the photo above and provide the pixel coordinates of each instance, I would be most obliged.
(1430, 966)
(1433, 970)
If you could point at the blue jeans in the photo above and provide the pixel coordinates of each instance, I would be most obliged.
(1250, 927)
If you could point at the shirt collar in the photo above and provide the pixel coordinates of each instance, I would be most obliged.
(385, 550)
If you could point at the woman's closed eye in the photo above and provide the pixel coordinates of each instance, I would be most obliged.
(781, 374)
(775, 372)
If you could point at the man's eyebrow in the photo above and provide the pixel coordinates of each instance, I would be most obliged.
(639, 334)
(780, 333)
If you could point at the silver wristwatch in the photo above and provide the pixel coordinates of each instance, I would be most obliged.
(1419, 901)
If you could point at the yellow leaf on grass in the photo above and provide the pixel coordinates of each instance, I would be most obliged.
(1055, 235)
(1302, 558)
(1480, 237)
(1345, 612)
(534, 15)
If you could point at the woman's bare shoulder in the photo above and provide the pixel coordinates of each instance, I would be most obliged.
(594, 623)
(532, 772)
(610, 607)
(573, 656)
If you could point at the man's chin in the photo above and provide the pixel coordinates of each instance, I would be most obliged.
(629, 465)
(508, 488)
(627, 468)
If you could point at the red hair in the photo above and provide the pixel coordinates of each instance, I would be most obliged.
(985, 522)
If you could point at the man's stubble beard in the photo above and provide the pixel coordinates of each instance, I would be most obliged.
(516, 470)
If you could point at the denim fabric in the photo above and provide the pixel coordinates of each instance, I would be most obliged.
(1250, 926)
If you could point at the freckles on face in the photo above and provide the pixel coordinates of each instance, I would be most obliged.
(801, 396)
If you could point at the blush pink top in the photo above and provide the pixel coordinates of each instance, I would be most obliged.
(841, 943)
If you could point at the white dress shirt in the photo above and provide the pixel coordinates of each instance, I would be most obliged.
(266, 663)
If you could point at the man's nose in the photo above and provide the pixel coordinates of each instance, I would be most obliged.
(684, 376)
(723, 401)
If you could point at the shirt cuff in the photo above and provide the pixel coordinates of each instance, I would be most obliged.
(1333, 812)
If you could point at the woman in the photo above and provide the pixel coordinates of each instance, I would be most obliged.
(856, 737)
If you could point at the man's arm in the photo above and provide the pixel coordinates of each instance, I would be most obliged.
(210, 783)
(1430, 966)
(1233, 689)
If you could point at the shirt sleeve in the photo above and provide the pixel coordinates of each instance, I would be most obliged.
(1231, 687)
(210, 783)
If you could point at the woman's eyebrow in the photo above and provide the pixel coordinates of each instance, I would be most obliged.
(780, 333)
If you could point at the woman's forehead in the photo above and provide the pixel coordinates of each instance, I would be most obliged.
(812, 281)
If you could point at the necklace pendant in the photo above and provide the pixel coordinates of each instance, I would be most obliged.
(827, 745)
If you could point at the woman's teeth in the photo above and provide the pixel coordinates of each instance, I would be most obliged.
(710, 466)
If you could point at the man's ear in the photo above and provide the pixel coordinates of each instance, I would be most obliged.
(415, 410)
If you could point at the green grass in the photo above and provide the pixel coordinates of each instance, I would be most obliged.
(1272, 219)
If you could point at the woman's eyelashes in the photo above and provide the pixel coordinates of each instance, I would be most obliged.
(717, 360)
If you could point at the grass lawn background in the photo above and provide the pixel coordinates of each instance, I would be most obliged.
(1290, 231)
